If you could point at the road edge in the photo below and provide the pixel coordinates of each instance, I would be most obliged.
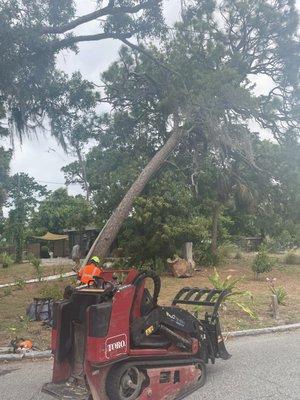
(35, 355)
(264, 331)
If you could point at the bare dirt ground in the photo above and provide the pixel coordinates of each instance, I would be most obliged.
(13, 303)
(233, 318)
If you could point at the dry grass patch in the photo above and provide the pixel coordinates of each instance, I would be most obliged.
(233, 318)
(27, 271)
(293, 257)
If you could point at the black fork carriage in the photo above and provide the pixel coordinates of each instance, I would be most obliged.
(212, 340)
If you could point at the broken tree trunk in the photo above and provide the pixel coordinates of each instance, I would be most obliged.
(274, 305)
(106, 237)
(188, 256)
(180, 268)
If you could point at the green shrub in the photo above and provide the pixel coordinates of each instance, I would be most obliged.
(204, 256)
(292, 258)
(239, 255)
(281, 242)
(6, 260)
(280, 292)
(226, 250)
(45, 252)
(20, 283)
(235, 294)
(262, 262)
(51, 291)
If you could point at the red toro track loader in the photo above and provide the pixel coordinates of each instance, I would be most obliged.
(113, 342)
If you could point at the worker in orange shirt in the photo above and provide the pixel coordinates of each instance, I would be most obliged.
(88, 271)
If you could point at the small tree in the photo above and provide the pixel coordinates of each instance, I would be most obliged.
(37, 264)
(23, 196)
(59, 211)
(262, 262)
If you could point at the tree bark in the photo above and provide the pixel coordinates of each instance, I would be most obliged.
(214, 234)
(106, 237)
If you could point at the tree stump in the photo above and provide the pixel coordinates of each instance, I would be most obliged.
(180, 268)
(274, 306)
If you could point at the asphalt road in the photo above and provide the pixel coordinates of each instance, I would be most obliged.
(262, 367)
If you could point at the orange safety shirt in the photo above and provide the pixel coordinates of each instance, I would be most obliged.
(87, 272)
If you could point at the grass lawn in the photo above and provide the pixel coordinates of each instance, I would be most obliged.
(27, 271)
(13, 321)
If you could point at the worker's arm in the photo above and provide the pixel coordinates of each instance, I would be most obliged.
(80, 272)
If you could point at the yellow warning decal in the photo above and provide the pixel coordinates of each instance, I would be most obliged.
(149, 330)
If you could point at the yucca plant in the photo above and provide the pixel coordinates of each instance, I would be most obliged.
(280, 292)
(234, 295)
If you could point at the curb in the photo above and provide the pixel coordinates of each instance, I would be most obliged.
(30, 355)
(264, 331)
(34, 355)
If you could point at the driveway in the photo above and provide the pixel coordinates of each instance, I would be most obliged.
(262, 367)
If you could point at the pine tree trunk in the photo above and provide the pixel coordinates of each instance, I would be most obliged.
(214, 234)
(110, 231)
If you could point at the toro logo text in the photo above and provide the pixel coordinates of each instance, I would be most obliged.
(115, 346)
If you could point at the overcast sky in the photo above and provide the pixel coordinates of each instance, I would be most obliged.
(43, 158)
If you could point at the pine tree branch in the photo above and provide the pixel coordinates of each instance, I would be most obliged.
(109, 10)
(68, 42)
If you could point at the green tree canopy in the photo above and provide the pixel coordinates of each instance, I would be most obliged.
(24, 194)
(5, 157)
(196, 90)
(60, 211)
(32, 34)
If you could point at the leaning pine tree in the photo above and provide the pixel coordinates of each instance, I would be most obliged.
(202, 78)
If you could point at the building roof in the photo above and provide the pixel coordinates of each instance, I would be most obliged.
(52, 237)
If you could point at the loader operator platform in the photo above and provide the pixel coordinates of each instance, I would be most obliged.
(88, 271)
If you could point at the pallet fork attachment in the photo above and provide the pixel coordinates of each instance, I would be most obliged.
(214, 346)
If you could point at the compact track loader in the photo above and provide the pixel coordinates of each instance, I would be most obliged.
(112, 341)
